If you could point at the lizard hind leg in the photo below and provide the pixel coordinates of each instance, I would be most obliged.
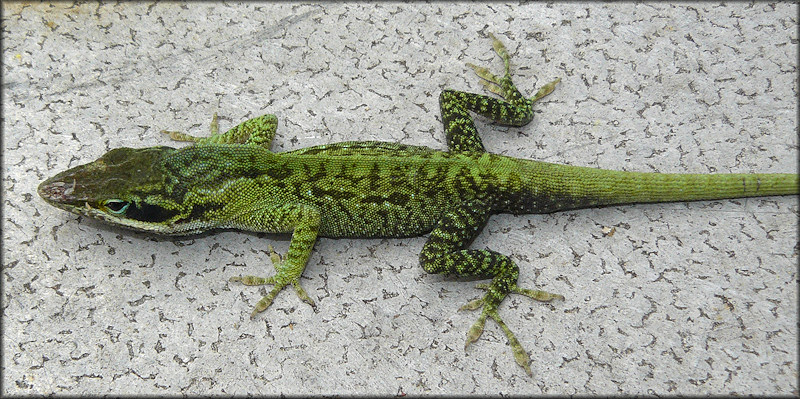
(445, 252)
(512, 109)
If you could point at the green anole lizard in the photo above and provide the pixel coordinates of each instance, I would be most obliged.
(372, 189)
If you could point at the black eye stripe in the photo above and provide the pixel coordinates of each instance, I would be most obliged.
(149, 213)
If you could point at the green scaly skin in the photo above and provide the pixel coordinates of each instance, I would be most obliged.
(372, 189)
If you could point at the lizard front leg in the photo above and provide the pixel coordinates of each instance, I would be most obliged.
(445, 252)
(303, 221)
(259, 131)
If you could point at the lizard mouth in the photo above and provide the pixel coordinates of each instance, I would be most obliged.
(60, 192)
(62, 195)
(56, 191)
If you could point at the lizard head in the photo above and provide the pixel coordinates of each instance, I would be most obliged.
(124, 187)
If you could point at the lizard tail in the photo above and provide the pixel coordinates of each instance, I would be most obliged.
(636, 187)
(551, 187)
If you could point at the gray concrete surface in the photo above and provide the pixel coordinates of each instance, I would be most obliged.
(685, 298)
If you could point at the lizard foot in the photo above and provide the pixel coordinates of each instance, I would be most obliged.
(503, 86)
(279, 282)
(489, 303)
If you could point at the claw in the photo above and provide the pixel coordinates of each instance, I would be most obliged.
(484, 74)
(274, 256)
(541, 296)
(264, 303)
(547, 89)
(476, 330)
(500, 49)
(179, 136)
(214, 125)
(472, 305)
(251, 280)
(520, 355)
(302, 294)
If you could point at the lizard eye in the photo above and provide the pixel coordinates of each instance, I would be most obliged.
(117, 206)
